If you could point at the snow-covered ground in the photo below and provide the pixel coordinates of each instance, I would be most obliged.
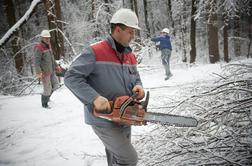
(33, 136)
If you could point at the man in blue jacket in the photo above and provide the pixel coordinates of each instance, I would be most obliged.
(166, 49)
(104, 71)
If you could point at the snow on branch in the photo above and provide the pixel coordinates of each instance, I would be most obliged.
(20, 22)
(70, 44)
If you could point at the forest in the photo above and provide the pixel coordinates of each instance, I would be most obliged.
(202, 32)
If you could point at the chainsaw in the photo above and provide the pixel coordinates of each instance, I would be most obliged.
(128, 110)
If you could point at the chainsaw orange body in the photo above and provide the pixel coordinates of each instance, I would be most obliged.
(128, 110)
(125, 110)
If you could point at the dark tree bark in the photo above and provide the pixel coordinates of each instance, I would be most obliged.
(108, 11)
(54, 22)
(60, 39)
(193, 34)
(183, 33)
(96, 33)
(169, 10)
(225, 43)
(249, 31)
(15, 44)
(250, 42)
(145, 6)
(213, 47)
(237, 34)
(135, 8)
(128, 4)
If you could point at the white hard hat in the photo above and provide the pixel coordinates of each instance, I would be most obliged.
(126, 17)
(45, 33)
(166, 30)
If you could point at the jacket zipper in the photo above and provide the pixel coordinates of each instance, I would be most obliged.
(120, 57)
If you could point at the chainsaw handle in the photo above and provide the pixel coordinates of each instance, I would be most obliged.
(107, 111)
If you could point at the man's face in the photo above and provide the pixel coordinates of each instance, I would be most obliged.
(46, 40)
(125, 35)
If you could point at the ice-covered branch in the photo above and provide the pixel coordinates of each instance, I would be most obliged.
(20, 22)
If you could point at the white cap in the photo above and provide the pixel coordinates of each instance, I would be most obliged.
(45, 33)
(126, 17)
(166, 30)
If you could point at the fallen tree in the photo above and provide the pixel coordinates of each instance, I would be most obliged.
(224, 134)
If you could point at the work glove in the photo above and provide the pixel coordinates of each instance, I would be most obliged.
(139, 91)
(101, 105)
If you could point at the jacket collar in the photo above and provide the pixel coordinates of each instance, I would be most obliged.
(112, 43)
(45, 44)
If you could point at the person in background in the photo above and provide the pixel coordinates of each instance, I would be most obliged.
(45, 67)
(104, 71)
(166, 49)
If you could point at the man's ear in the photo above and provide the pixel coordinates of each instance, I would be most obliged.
(118, 29)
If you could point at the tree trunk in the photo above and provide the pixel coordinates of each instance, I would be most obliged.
(250, 34)
(171, 22)
(193, 34)
(237, 42)
(15, 44)
(96, 32)
(225, 42)
(107, 9)
(59, 35)
(213, 40)
(183, 18)
(213, 47)
(249, 46)
(183, 40)
(128, 4)
(54, 23)
(145, 6)
(135, 8)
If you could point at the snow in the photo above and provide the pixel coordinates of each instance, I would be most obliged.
(31, 135)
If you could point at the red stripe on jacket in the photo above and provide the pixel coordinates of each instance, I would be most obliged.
(41, 47)
(105, 53)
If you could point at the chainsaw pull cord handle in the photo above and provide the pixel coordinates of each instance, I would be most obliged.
(126, 103)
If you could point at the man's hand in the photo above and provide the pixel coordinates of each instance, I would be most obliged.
(138, 89)
(101, 105)
(39, 75)
(58, 69)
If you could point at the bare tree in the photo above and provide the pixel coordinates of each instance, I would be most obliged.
(193, 33)
(15, 43)
(169, 10)
(96, 32)
(145, 6)
(128, 4)
(225, 41)
(55, 23)
(212, 29)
